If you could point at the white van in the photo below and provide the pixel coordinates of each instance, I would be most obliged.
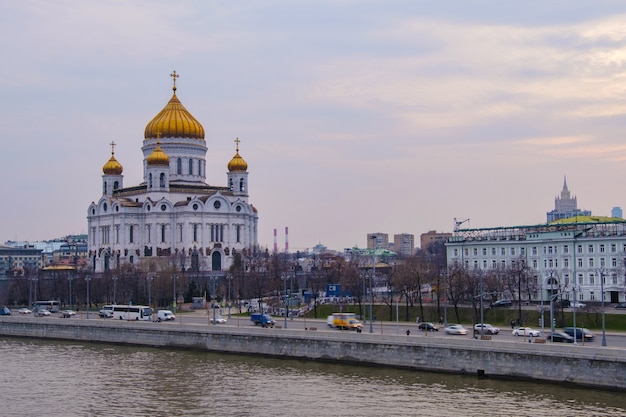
(165, 315)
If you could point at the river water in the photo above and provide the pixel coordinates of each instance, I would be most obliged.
(53, 378)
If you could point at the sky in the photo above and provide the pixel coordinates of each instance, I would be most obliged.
(354, 117)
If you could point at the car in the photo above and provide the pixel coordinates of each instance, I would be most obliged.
(329, 320)
(579, 332)
(217, 320)
(486, 329)
(560, 337)
(427, 327)
(620, 305)
(456, 329)
(4, 311)
(570, 304)
(66, 314)
(106, 312)
(43, 312)
(525, 331)
(501, 303)
(165, 315)
(25, 311)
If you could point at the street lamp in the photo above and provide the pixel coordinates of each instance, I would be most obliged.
(114, 278)
(149, 279)
(229, 277)
(574, 311)
(70, 278)
(445, 299)
(174, 301)
(285, 277)
(601, 295)
(88, 278)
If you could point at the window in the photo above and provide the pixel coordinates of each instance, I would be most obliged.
(162, 180)
(493, 263)
(162, 233)
(580, 279)
(132, 234)
(475, 251)
(590, 248)
(195, 232)
(550, 250)
(592, 296)
(456, 252)
(484, 249)
(590, 262)
(522, 251)
(242, 185)
(565, 249)
(190, 167)
(614, 262)
(534, 264)
(566, 263)
(502, 251)
(238, 232)
(602, 262)
(613, 247)
(493, 251)
(466, 251)
(534, 250)
(513, 251)
(566, 280)
(179, 166)
(592, 279)
(580, 262)
(602, 248)
(579, 248)
(614, 279)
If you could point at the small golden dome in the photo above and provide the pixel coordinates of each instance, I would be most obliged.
(158, 157)
(237, 163)
(112, 167)
(174, 121)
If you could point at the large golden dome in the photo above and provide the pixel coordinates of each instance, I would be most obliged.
(158, 157)
(237, 163)
(112, 167)
(174, 121)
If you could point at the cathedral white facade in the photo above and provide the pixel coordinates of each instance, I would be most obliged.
(173, 215)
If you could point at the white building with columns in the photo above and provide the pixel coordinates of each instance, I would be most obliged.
(173, 214)
(584, 256)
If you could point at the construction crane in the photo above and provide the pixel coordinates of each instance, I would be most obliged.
(458, 223)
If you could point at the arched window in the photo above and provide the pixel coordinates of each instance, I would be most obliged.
(150, 181)
(179, 166)
(162, 180)
(104, 188)
(116, 185)
(242, 185)
(190, 166)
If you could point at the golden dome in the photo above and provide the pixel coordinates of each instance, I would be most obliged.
(174, 121)
(237, 163)
(158, 157)
(112, 167)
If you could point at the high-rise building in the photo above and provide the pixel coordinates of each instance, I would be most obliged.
(173, 214)
(404, 244)
(617, 212)
(431, 237)
(565, 206)
(377, 241)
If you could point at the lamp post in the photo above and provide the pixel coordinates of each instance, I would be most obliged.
(174, 299)
(229, 277)
(445, 299)
(70, 278)
(285, 277)
(372, 300)
(114, 278)
(213, 295)
(602, 300)
(88, 278)
(149, 279)
(574, 311)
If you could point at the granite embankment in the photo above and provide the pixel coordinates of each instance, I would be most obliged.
(586, 366)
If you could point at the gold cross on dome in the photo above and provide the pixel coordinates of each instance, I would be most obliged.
(112, 147)
(237, 142)
(174, 76)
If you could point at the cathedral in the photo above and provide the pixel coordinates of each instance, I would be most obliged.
(173, 217)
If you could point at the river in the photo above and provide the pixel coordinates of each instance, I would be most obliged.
(56, 378)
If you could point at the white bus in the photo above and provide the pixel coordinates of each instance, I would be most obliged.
(132, 312)
(52, 306)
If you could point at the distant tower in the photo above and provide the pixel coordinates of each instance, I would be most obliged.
(565, 206)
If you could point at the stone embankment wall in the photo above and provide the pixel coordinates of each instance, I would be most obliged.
(580, 365)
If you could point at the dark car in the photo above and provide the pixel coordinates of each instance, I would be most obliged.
(428, 327)
(4, 311)
(501, 303)
(560, 337)
(579, 332)
(621, 305)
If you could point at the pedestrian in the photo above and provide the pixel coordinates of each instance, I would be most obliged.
(512, 324)
(417, 320)
(408, 332)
